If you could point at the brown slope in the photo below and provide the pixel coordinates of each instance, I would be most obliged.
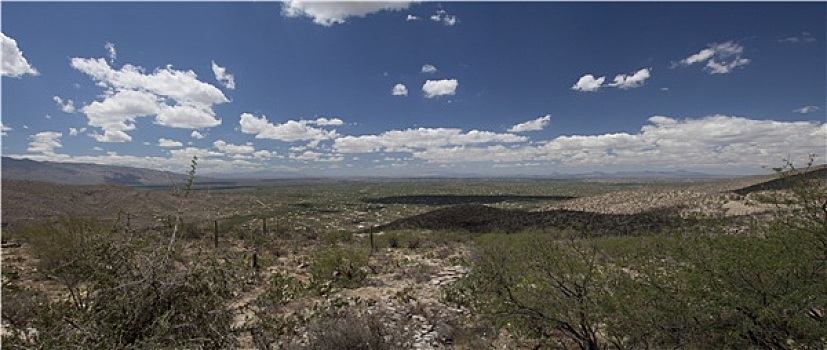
(26, 201)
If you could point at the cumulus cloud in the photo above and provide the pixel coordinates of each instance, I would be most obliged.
(290, 131)
(716, 142)
(327, 13)
(420, 138)
(623, 81)
(14, 64)
(4, 129)
(112, 136)
(531, 125)
(110, 49)
(399, 90)
(162, 142)
(67, 106)
(186, 117)
(588, 83)
(311, 156)
(326, 121)
(176, 98)
(76, 131)
(807, 109)
(117, 113)
(720, 58)
(411, 18)
(435, 88)
(181, 86)
(230, 148)
(226, 79)
(444, 17)
(428, 68)
(45, 142)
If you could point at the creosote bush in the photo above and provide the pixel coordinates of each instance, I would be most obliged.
(350, 332)
(339, 267)
(123, 292)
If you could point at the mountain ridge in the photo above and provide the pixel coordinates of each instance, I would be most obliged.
(86, 173)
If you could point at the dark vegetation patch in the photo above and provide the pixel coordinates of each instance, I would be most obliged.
(479, 218)
(460, 199)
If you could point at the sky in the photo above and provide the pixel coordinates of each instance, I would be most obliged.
(406, 89)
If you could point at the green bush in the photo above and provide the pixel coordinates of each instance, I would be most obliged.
(339, 267)
(124, 292)
(541, 286)
(700, 288)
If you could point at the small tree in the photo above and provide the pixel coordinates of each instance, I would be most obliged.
(546, 287)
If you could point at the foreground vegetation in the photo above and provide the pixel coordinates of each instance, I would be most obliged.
(702, 288)
(681, 283)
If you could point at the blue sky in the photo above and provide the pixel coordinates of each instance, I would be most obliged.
(415, 89)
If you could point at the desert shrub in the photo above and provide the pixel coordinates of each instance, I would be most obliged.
(126, 292)
(336, 237)
(350, 332)
(541, 286)
(339, 267)
(20, 305)
(190, 230)
(270, 323)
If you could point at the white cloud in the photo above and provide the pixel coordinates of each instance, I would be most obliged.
(176, 98)
(311, 156)
(110, 49)
(804, 38)
(186, 117)
(450, 20)
(588, 83)
(327, 13)
(623, 81)
(428, 68)
(226, 79)
(720, 58)
(67, 106)
(181, 86)
(4, 129)
(117, 113)
(76, 131)
(435, 88)
(444, 17)
(162, 142)
(14, 64)
(326, 122)
(399, 90)
(420, 138)
(718, 142)
(807, 109)
(290, 131)
(411, 18)
(532, 125)
(112, 136)
(44, 142)
(196, 135)
(230, 148)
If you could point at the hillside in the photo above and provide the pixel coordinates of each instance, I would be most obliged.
(85, 174)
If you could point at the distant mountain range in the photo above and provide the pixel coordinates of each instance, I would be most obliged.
(86, 174)
(94, 174)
